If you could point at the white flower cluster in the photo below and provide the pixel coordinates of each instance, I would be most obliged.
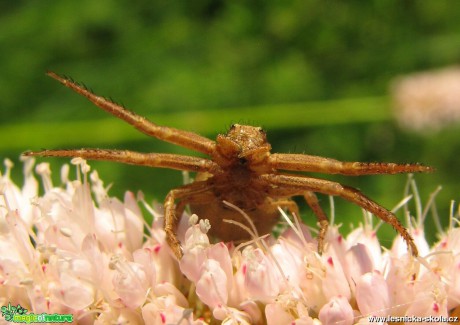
(75, 250)
(428, 100)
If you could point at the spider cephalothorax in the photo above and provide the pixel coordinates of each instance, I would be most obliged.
(241, 170)
(242, 145)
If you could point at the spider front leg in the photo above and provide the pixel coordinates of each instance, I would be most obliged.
(298, 185)
(308, 163)
(160, 160)
(186, 194)
(183, 138)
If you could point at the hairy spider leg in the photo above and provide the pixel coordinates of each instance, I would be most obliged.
(187, 194)
(312, 201)
(291, 185)
(185, 139)
(308, 163)
(197, 191)
(160, 160)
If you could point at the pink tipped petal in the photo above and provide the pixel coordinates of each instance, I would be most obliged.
(291, 235)
(212, 285)
(335, 282)
(453, 240)
(312, 282)
(400, 278)
(453, 290)
(219, 252)
(358, 262)
(121, 316)
(290, 260)
(231, 316)
(145, 258)
(367, 236)
(253, 311)
(261, 277)
(399, 247)
(169, 290)
(191, 263)
(420, 241)
(428, 307)
(133, 222)
(336, 311)
(164, 312)
(372, 295)
(276, 315)
(74, 293)
(131, 284)
(306, 320)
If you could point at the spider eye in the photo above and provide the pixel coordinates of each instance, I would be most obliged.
(243, 161)
(261, 130)
(232, 126)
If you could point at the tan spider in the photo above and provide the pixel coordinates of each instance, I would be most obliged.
(240, 170)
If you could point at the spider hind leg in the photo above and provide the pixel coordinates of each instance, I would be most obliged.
(298, 185)
(312, 201)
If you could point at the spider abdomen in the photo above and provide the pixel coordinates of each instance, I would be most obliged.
(264, 217)
(240, 188)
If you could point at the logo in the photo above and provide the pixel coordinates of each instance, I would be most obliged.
(18, 314)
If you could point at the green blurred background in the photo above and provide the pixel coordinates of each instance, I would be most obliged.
(314, 74)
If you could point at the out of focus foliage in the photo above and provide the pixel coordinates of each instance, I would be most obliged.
(216, 54)
(164, 57)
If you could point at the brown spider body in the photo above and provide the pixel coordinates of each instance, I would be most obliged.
(241, 155)
(241, 170)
